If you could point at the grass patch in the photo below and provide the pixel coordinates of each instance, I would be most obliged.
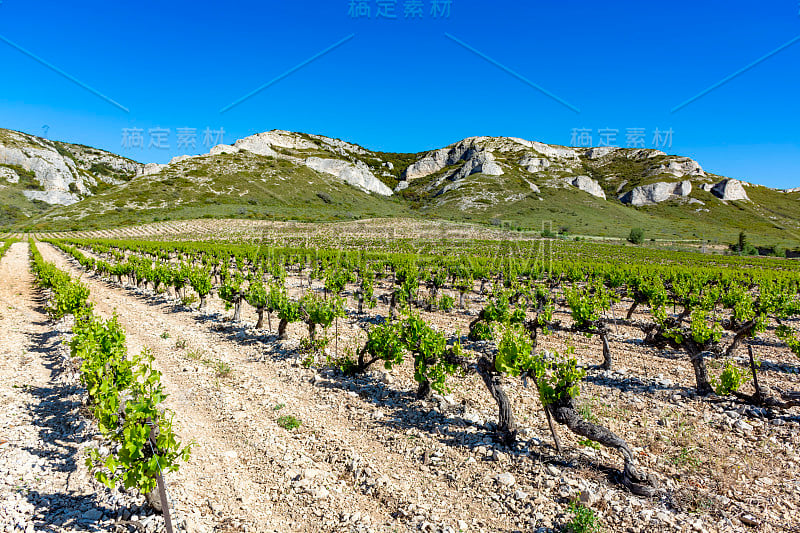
(221, 369)
(583, 520)
(289, 422)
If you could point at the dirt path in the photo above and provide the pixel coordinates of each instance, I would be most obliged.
(43, 485)
(344, 468)
(217, 489)
(369, 457)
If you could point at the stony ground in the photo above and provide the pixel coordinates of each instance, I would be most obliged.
(44, 431)
(278, 232)
(367, 455)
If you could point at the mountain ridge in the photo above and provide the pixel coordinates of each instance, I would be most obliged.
(283, 174)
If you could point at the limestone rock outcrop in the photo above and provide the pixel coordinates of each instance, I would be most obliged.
(534, 164)
(555, 152)
(262, 143)
(729, 189)
(355, 173)
(475, 160)
(655, 193)
(482, 162)
(224, 149)
(358, 174)
(63, 178)
(150, 168)
(679, 168)
(587, 184)
(600, 151)
(9, 175)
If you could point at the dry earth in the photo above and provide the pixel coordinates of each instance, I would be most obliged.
(369, 457)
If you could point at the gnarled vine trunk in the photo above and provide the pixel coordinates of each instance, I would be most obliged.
(743, 332)
(363, 363)
(282, 334)
(237, 310)
(631, 310)
(424, 390)
(607, 363)
(655, 337)
(260, 323)
(761, 396)
(696, 356)
(506, 427)
(636, 480)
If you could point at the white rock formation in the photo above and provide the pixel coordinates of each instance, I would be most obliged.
(475, 158)
(338, 146)
(9, 175)
(52, 171)
(262, 143)
(150, 168)
(679, 168)
(793, 189)
(655, 193)
(534, 164)
(257, 144)
(224, 149)
(641, 154)
(482, 162)
(437, 160)
(551, 152)
(357, 175)
(555, 152)
(587, 184)
(533, 187)
(600, 151)
(52, 197)
(178, 159)
(729, 189)
(58, 175)
(684, 188)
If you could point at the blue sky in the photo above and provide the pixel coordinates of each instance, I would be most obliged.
(403, 85)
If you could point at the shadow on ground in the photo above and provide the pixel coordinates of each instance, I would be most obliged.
(57, 412)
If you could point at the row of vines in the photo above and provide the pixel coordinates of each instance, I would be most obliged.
(124, 391)
(4, 246)
(706, 312)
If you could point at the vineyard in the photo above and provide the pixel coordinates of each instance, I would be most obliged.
(4, 246)
(329, 383)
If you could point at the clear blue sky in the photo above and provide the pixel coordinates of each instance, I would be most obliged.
(403, 85)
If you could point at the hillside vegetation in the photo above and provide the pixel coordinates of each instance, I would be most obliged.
(508, 182)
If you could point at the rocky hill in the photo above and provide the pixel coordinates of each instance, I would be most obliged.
(498, 180)
(36, 174)
(595, 191)
(636, 177)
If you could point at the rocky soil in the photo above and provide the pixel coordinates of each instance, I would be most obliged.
(367, 455)
(44, 430)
